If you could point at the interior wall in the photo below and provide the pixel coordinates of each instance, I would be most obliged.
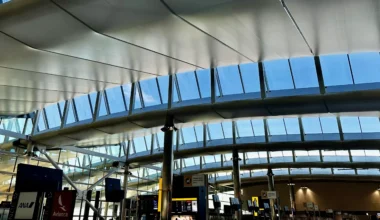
(339, 196)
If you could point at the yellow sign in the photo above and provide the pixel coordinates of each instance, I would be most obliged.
(184, 199)
(159, 195)
(255, 203)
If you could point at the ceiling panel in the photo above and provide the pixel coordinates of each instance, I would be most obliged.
(27, 94)
(50, 82)
(12, 107)
(260, 29)
(18, 56)
(149, 24)
(50, 28)
(339, 26)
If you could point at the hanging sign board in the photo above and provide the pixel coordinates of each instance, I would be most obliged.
(272, 194)
(62, 205)
(27, 205)
(193, 180)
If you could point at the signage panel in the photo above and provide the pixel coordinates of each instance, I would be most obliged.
(272, 194)
(198, 180)
(63, 205)
(26, 205)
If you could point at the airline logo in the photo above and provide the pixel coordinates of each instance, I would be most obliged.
(63, 205)
(26, 205)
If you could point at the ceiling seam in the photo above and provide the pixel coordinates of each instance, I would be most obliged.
(79, 58)
(199, 29)
(50, 90)
(70, 77)
(296, 25)
(123, 41)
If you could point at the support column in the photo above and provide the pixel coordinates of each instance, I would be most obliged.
(125, 188)
(271, 188)
(167, 168)
(292, 199)
(29, 152)
(237, 182)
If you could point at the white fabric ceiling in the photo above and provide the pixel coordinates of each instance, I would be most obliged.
(55, 50)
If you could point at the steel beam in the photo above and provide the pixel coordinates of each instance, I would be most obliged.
(13, 134)
(103, 178)
(92, 153)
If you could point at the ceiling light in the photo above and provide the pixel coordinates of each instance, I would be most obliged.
(291, 184)
(304, 187)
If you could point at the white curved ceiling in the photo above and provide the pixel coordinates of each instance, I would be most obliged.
(55, 50)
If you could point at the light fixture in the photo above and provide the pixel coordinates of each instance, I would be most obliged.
(304, 187)
(291, 184)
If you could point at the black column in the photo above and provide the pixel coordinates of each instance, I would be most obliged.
(97, 201)
(167, 169)
(87, 207)
(271, 188)
(237, 182)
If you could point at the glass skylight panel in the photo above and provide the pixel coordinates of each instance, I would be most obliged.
(258, 127)
(52, 116)
(204, 81)
(336, 70)
(350, 124)
(28, 126)
(41, 123)
(259, 172)
(359, 153)
(304, 73)
(230, 80)
(139, 144)
(311, 125)
(150, 92)
(102, 107)
(188, 162)
(292, 125)
(227, 129)
(250, 75)
(83, 108)
(369, 124)
(138, 100)
(321, 171)
(175, 90)
(188, 135)
(163, 83)
(277, 74)
(209, 159)
(218, 158)
(372, 153)
(127, 90)
(299, 171)
(339, 171)
(188, 86)
(244, 128)
(199, 132)
(368, 171)
(276, 126)
(216, 131)
(227, 157)
(365, 67)
(281, 171)
(329, 125)
(61, 107)
(115, 100)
